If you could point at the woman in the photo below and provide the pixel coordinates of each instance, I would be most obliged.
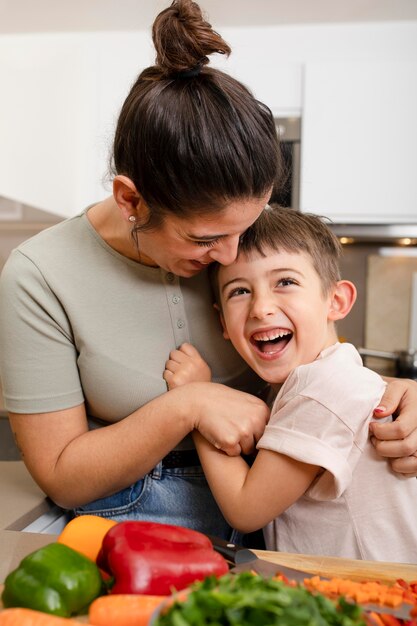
(91, 307)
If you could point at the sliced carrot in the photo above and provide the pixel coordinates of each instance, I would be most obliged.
(85, 534)
(375, 619)
(29, 617)
(123, 609)
(364, 592)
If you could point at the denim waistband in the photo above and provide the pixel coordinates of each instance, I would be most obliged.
(181, 458)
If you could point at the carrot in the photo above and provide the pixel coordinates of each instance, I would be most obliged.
(375, 619)
(29, 617)
(85, 534)
(123, 609)
(364, 592)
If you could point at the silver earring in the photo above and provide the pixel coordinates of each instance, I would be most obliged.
(132, 218)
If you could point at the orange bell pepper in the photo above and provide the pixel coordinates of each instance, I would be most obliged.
(85, 534)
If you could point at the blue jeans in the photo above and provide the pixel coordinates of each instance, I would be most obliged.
(179, 496)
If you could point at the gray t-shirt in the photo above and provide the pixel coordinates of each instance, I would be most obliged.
(79, 322)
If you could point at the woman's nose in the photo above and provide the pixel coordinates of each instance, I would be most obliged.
(225, 252)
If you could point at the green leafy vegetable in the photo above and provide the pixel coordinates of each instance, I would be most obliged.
(248, 600)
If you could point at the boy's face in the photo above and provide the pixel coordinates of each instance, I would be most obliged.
(274, 312)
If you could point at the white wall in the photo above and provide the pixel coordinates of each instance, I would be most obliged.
(61, 94)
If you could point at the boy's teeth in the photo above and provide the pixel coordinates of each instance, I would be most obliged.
(271, 335)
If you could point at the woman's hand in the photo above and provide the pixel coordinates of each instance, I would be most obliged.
(231, 420)
(398, 440)
(186, 365)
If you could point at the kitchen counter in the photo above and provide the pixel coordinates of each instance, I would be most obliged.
(21, 499)
(14, 546)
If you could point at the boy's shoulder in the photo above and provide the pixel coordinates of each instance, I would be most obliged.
(337, 379)
(341, 361)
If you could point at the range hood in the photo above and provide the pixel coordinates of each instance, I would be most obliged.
(390, 234)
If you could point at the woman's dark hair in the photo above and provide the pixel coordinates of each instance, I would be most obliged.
(190, 137)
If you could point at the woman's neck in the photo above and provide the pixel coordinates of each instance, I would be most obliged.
(106, 218)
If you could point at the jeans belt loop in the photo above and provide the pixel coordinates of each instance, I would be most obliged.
(156, 473)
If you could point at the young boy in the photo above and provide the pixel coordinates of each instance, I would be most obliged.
(316, 484)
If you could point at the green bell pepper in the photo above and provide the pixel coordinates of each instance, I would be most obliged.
(54, 579)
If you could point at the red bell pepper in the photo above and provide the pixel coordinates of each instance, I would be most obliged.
(155, 559)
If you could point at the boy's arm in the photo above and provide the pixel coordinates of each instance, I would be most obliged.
(250, 497)
(186, 365)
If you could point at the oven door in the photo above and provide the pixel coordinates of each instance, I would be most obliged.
(287, 191)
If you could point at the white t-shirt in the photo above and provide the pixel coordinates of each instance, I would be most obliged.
(356, 507)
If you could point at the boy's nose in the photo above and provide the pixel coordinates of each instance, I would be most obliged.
(225, 252)
(262, 306)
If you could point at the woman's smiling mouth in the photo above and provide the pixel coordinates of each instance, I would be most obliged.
(272, 341)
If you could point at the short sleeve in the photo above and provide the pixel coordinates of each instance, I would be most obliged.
(305, 430)
(38, 359)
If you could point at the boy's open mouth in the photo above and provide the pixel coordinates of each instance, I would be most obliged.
(270, 341)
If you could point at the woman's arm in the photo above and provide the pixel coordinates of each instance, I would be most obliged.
(250, 497)
(398, 440)
(74, 465)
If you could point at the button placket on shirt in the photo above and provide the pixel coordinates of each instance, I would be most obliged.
(176, 308)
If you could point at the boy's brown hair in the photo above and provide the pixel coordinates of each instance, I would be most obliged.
(279, 228)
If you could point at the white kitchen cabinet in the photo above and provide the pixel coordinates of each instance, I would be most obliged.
(359, 141)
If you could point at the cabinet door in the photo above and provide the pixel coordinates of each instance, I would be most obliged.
(359, 141)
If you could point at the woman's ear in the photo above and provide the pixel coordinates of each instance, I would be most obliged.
(219, 311)
(342, 299)
(127, 197)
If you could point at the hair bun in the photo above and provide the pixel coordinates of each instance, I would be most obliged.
(183, 39)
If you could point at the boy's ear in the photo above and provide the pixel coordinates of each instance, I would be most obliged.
(219, 311)
(342, 299)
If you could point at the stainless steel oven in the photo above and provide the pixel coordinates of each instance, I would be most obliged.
(287, 191)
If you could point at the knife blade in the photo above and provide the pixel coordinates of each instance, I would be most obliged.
(243, 559)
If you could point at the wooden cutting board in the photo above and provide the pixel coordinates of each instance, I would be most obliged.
(329, 567)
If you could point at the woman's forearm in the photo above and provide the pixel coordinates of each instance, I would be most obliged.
(74, 465)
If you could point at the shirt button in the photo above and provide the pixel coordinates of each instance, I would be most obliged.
(180, 323)
(170, 277)
(175, 299)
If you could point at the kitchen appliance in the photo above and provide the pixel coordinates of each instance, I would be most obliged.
(287, 193)
(377, 234)
(405, 360)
